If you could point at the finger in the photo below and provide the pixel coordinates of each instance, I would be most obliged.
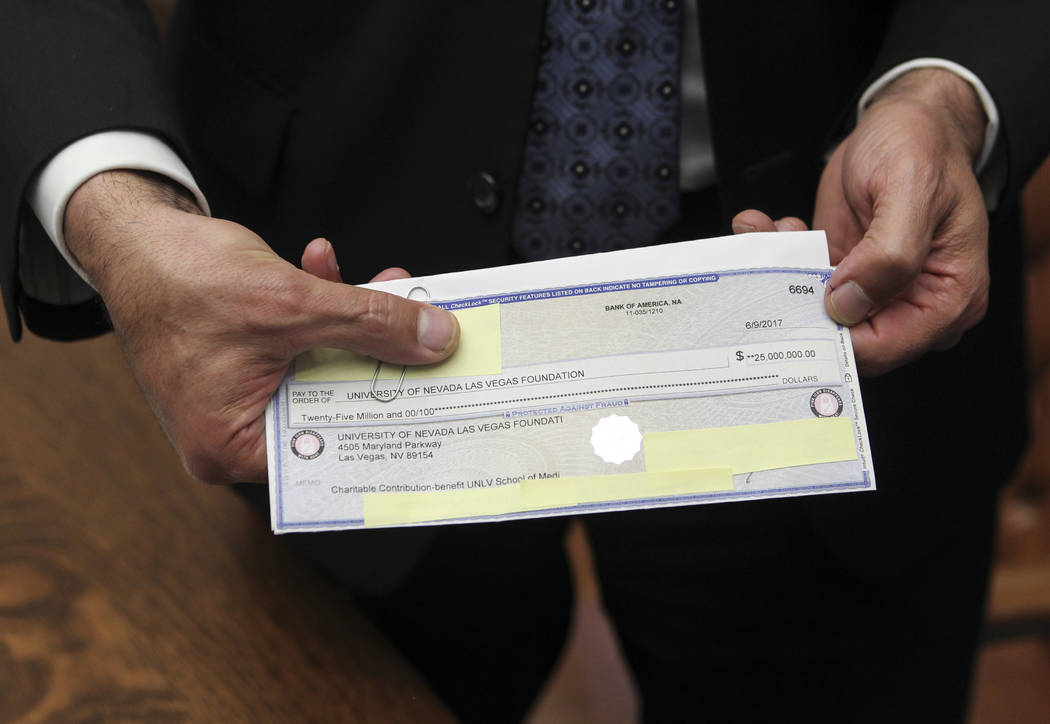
(897, 334)
(241, 460)
(791, 223)
(949, 297)
(319, 260)
(934, 316)
(373, 323)
(887, 259)
(752, 220)
(394, 272)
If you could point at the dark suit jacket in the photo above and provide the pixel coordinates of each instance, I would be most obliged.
(364, 121)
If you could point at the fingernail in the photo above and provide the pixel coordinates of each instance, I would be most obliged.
(438, 330)
(849, 304)
(333, 263)
(740, 228)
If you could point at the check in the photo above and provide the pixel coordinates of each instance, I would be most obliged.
(690, 373)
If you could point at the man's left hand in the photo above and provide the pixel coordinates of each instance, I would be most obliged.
(906, 221)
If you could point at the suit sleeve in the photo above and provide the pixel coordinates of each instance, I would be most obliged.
(1004, 46)
(67, 70)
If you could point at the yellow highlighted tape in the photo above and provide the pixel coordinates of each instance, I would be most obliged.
(480, 352)
(402, 508)
(562, 492)
(747, 448)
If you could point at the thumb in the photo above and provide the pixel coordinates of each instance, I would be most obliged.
(888, 258)
(373, 323)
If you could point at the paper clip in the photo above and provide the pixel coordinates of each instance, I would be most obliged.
(404, 368)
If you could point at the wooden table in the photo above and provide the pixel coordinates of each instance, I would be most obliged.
(129, 592)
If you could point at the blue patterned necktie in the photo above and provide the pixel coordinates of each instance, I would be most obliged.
(601, 160)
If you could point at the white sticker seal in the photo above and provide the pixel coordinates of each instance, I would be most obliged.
(616, 439)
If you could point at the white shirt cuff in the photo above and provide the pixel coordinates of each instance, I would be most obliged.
(991, 129)
(49, 192)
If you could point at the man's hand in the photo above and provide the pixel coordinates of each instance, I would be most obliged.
(906, 221)
(210, 318)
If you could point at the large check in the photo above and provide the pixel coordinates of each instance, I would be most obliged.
(688, 373)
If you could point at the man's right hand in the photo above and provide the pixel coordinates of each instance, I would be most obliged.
(210, 317)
